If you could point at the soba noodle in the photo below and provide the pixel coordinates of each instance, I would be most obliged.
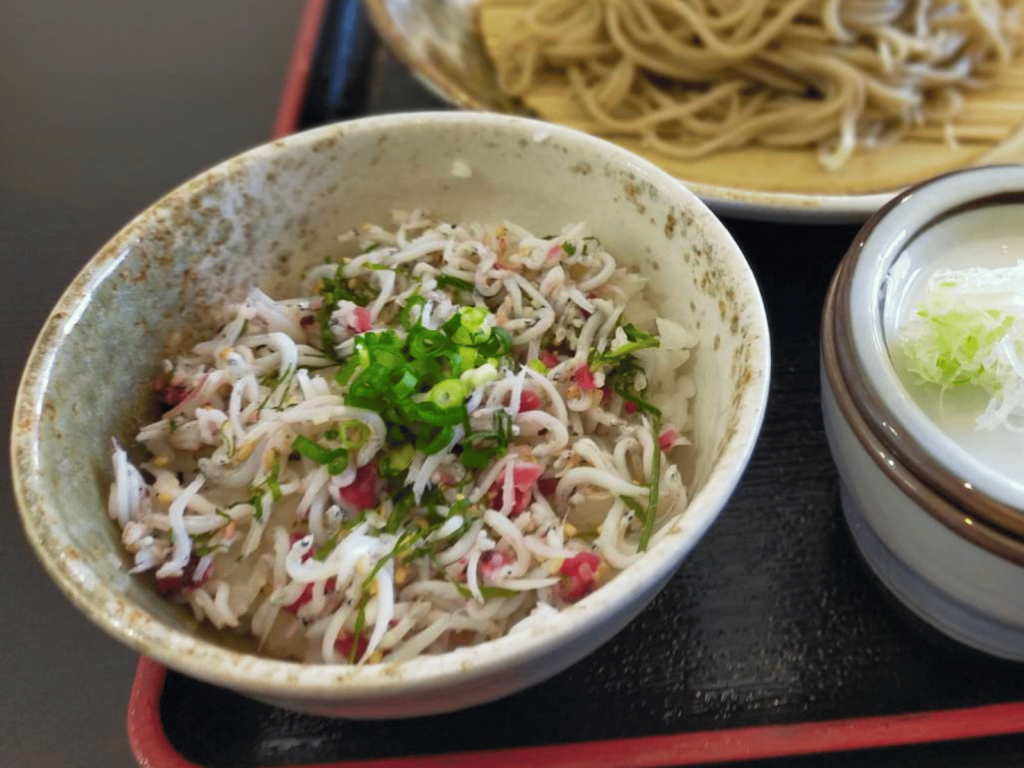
(692, 77)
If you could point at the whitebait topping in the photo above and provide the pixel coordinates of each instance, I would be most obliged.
(460, 427)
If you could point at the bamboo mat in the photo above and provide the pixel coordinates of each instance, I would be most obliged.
(991, 118)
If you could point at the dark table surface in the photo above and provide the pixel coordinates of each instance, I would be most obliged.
(772, 619)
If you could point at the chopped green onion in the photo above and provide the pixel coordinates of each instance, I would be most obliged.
(397, 434)
(401, 414)
(272, 479)
(538, 366)
(473, 318)
(464, 335)
(326, 548)
(486, 592)
(345, 372)
(398, 513)
(621, 379)
(473, 455)
(404, 381)
(641, 405)
(479, 448)
(419, 384)
(303, 446)
(430, 444)
(202, 545)
(338, 464)
(569, 248)
(336, 460)
(376, 376)
(334, 290)
(399, 459)
(386, 357)
(365, 394)
(498, 344)
(477, 377)
(587, 241)
(448, 393)
(463, 360)
(426, 343)
(379, 339)
(257, 502)
(354, 434)
(450, 281)
(433, 414)
(405, 316)
(469, 326)
(637, 340)
(427, 369)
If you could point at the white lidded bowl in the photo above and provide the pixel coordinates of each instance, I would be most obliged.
(934, 506)
(260, 219)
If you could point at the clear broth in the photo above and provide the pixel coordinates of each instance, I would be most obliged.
(989, 237)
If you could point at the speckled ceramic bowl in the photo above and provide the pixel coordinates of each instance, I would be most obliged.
(260, 219)
(936, 506)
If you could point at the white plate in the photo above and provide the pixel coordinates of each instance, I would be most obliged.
(789, 208)
(443, 44)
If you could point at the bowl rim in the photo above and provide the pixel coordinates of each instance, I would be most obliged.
(864, 361)
(902, 474)
(338, 683)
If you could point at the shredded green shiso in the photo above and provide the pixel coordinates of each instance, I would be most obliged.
(969, 331)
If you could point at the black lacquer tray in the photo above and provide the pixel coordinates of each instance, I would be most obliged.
(772, 640)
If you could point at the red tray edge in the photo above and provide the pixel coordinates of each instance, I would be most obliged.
(152, 748)
(296, 81)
